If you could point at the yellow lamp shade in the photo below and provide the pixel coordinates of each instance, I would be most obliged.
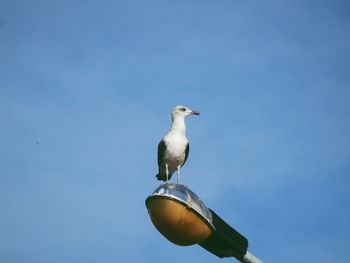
(179, 215)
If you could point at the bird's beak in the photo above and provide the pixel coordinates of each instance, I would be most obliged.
(195, 112)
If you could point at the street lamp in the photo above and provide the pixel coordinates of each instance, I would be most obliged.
(182, 218)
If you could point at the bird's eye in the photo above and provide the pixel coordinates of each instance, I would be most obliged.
(183, 109)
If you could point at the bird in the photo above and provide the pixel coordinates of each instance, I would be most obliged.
(173, 149)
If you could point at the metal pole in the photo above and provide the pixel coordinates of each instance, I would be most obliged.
(250, 258)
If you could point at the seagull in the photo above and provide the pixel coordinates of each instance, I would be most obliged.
(173, 149)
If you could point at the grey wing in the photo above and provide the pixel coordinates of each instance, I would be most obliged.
(186, 152)
(161, 151)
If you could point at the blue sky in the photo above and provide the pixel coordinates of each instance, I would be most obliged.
(86, 89)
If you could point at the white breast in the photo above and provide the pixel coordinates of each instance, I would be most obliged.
(175, 153)
(176, 144)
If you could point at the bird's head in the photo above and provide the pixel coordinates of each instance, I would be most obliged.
(182, 111)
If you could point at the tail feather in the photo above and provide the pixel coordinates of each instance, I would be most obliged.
(162, 177)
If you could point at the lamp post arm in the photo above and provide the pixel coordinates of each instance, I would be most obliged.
(250, 258)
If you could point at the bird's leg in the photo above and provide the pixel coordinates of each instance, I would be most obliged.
(178, 175)
(166, 173)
